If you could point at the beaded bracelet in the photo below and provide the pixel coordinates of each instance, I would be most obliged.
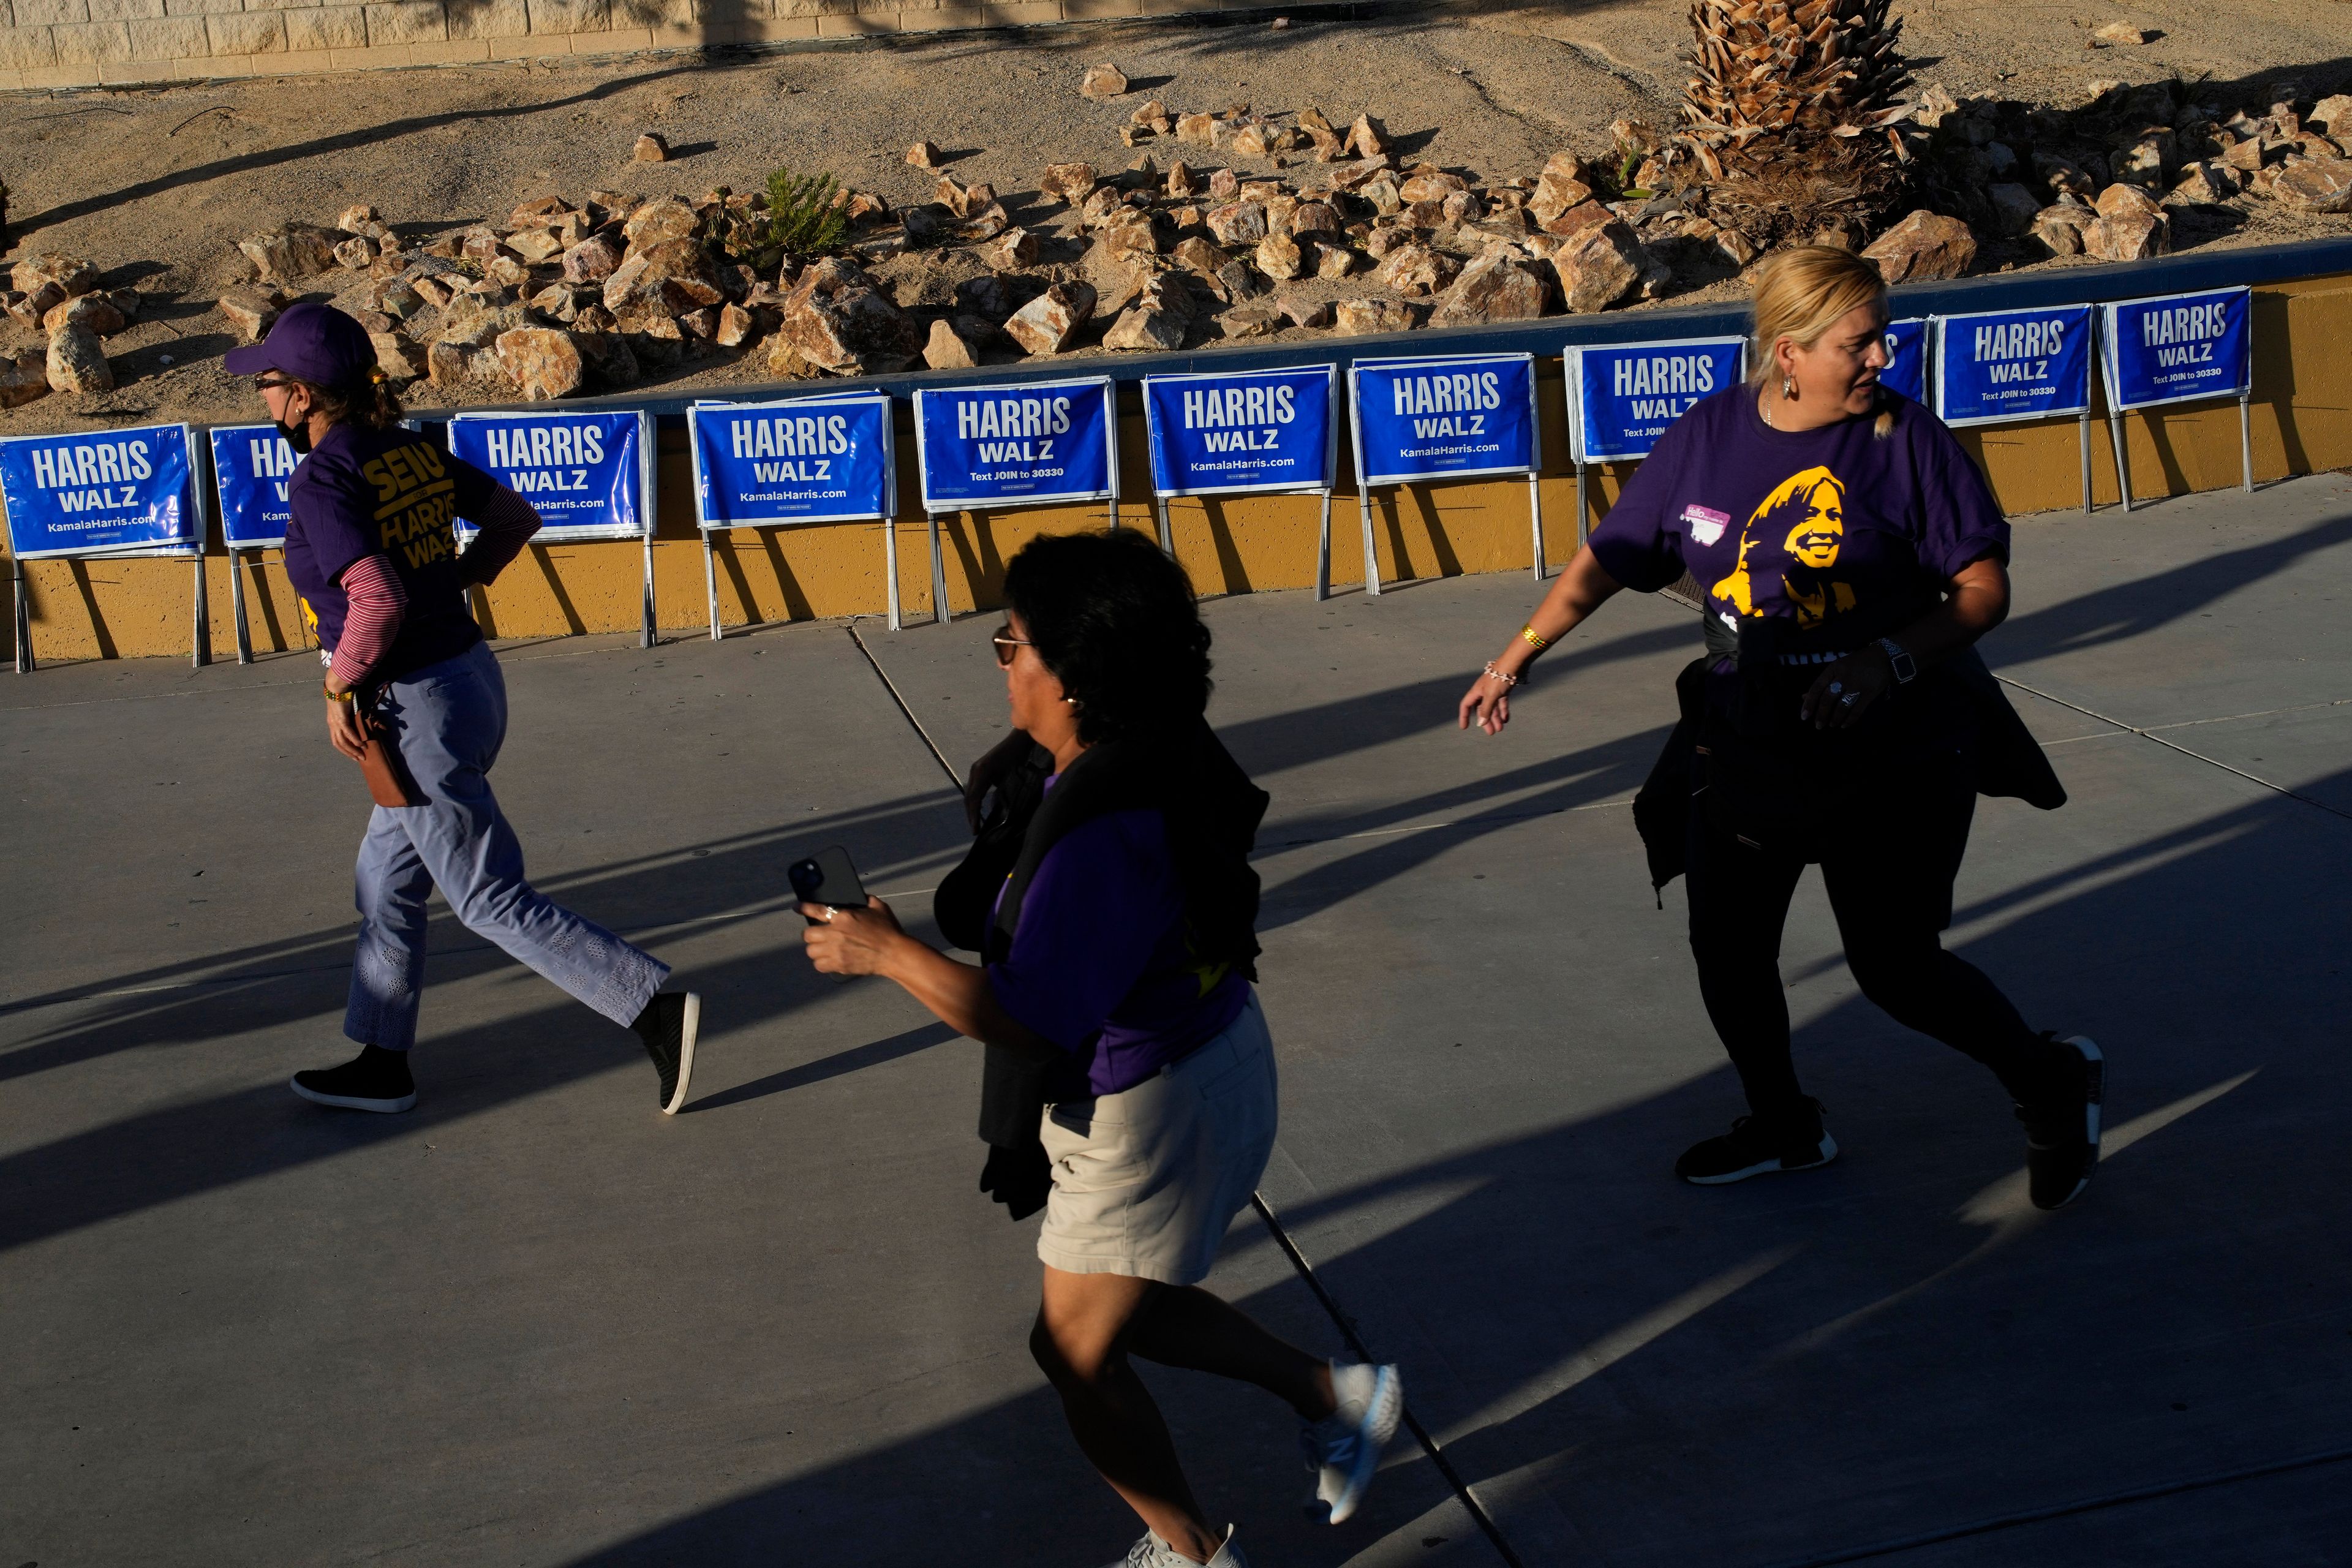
(1507, 678)
(1533, 641)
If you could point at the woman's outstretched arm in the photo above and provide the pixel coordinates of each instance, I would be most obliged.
(869, 942)
(1581, 588)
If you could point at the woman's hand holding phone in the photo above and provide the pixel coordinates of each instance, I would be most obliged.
(850, 941)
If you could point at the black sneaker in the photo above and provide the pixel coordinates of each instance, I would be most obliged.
(375, 1080)
(2062, 1134)
(1755, 1147)
(668, 1027)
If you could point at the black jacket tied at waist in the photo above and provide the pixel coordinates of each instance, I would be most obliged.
(1212, 812)
(1747, 760)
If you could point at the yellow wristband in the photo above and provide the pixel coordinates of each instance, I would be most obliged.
(1528, 633)
(335, 696)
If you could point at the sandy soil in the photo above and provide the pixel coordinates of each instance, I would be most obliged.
(156, 184)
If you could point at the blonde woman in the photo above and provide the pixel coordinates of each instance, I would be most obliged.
(1840, 716)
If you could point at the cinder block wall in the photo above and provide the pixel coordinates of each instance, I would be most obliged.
(91, 43)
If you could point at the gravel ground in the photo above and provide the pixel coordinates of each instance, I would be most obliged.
(156, 184)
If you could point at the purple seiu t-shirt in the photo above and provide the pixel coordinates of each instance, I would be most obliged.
(1845, 537)
(391, 493)
(1100, 965)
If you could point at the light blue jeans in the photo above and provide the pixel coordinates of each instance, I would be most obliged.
(451, 720)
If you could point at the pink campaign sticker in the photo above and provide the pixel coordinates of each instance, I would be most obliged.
(1706, 525)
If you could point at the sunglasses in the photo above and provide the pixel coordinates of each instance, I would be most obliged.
(1008, 646)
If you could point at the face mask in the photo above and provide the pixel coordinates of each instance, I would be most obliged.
(297, 437)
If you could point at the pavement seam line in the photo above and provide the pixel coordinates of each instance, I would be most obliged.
(1347, 1327)
(1281, 1238)
(2177, 746)
(896, 696)
(2070, 1509)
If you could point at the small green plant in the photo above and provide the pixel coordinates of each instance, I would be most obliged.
(805, 213)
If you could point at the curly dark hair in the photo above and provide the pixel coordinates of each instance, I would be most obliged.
(1114, 619)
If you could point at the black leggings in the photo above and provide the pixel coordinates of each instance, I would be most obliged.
(1890, 886)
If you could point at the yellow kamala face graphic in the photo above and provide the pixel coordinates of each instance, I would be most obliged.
(416, 503)
(1809, 506)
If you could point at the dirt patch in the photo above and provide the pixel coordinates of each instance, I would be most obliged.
(157, 186)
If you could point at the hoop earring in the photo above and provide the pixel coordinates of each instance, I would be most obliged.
(1787, 389)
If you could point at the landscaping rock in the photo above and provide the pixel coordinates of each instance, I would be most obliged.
(2122, 32)
(356, 253)
(2203, 183)
(1102, 81)
(77, 364)
(1262, 319)
(2014, 208)
(286, 255)
(1070, 182)
(1416, 271)
(1307, 313)
(2059, 229)
(1315, 218)
(1158, 320)
(1116, 277)
(23, 379)
(1360, 318)
(606, 352)
(1237, 224)
(535, 246)
(1202, 130)
(401, 359)
(2315, 186)
(1366, 138)
(1197, 254)
(1924, 245)
(1045, 324)
(2149, 162)
(69, 274)
(1010, 251)
(592, 260)
(1432, 188)
(2128, 237)
(1279, 257)
(1336, 261)
(250, 311)
(651, 148)
(2065, 178)
(1598, 266)
(924, 156)
(657, 221)
(1496, 286)
(666, 279)
(26, 309)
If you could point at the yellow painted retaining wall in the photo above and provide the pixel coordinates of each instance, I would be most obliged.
(2301, 423)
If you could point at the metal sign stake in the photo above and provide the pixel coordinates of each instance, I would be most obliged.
(939, 566)
(202, 652)
(1371, 559)
(236, 612)
(24, 621)
(890, 568)
(2246, 441)
(711, 584)
(2083, 440)
(1323, 552)
(2123, 463)
(1582, 513)
(1166, 536)
(1534, 520)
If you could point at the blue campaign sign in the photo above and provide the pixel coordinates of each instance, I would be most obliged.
(1907, 358)
(805, 459)
(1998, 365)
(1445, 418)
(1036, 441)
(2178, 347)
(251, 466)
(1622, 397)
(121, 491)
(583, 473)
(1253, 430)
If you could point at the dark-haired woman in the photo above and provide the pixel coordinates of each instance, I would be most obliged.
(372, 548)
(1851, 555)
(1129, 1063)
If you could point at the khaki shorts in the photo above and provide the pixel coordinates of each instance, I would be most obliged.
(1146, 1180)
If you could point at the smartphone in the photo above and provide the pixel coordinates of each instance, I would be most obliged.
(827, 877)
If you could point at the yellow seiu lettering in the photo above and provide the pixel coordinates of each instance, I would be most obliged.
(376, 474)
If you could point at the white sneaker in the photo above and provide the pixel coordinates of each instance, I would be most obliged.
(1154, 1552)
(1343, 1449)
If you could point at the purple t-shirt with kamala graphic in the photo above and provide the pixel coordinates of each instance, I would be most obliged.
(1845, 537)
(1099, 965)
(391, 493)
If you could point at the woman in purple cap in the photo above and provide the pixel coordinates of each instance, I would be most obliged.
(372, 548)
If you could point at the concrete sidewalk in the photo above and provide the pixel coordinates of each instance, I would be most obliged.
(536, 1322)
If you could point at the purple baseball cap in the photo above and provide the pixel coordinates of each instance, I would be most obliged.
(316, 344)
